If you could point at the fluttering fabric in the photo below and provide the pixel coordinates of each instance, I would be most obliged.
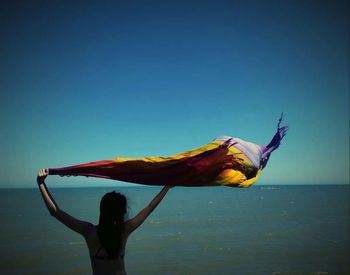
(226, 161)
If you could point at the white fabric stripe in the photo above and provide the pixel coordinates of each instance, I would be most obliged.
(251, 150)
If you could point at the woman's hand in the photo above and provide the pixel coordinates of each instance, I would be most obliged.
(42, 176)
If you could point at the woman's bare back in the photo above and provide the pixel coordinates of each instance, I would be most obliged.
(100, 262)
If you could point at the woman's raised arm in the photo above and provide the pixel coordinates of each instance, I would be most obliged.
(135, 222)
(82, 227)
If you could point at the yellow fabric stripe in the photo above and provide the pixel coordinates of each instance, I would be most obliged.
(228, 177)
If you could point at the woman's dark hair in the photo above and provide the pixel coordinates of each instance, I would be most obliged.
(109, 229)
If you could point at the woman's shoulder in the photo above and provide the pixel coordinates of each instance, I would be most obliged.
(91, 232)
(92, 238)
(128, 227)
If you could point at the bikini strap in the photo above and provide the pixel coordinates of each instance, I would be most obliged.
(99, 257)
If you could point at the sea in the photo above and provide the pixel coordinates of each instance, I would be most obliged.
(279, 229)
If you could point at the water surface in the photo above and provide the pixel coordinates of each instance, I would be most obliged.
(215, 230)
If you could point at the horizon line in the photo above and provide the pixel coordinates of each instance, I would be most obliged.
(154, 186)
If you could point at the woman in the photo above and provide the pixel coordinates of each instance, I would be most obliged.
(107, 240)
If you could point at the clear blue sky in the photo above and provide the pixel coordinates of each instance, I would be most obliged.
(83, 81)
